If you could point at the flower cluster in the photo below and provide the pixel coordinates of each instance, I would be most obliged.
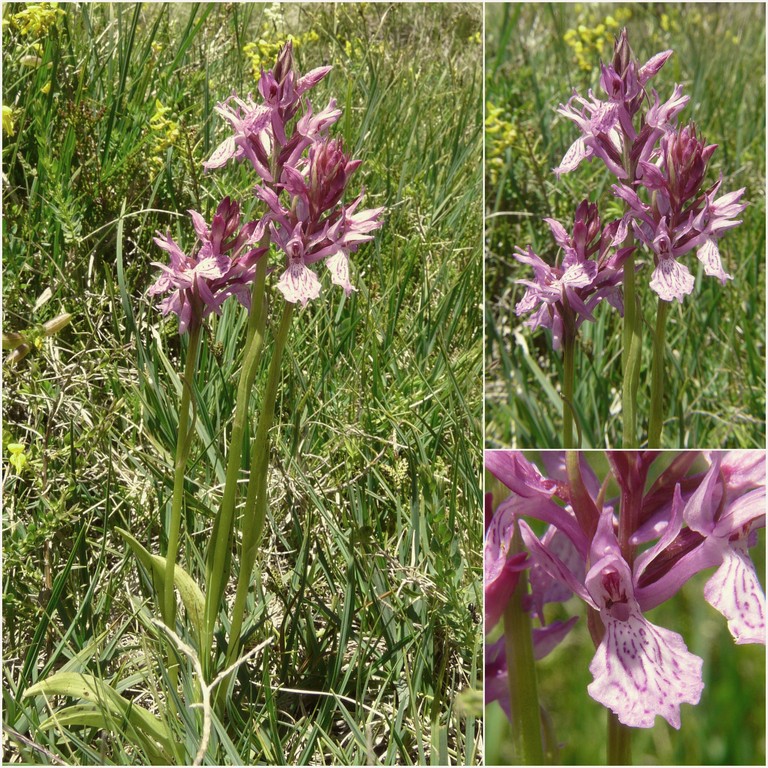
(223, 265)
(304, 174)
(635, 134)
(314, 226)
(681, 217)
(563, 296)
(626, 555)
(646, 150)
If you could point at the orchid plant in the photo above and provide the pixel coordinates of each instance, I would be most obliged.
(302, 176)
(621, 556)
(670, 210)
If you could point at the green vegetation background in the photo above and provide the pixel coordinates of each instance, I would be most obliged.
(726, 727)
(536, 54)
(374, 532)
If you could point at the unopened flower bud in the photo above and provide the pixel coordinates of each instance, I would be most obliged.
(18, 354)
(622, 53)
(329, 173)
(284, 65)
(52, 327)
(12, 340)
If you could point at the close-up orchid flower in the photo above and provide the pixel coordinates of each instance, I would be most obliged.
(624, 543)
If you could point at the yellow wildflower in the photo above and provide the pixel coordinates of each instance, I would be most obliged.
(8, 126)
(18, 458)
(37, 18)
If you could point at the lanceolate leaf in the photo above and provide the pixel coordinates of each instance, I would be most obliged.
(108, 704)
(191, 594)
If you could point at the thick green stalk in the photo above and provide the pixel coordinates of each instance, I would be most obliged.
(183, 442)
(619, 742)
(219, 548)
(255, 510)
(631, 355)
(523, 693)
(569, 350)
(657, 377)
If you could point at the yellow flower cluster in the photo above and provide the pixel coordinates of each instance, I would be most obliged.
(591, 37)
(356, 49)
(36, 19)
(263, 52)
(165, 133)
(500, 134)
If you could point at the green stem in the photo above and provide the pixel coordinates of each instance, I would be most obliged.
(569, 349)
(220, 546)
(523, 693)
(619, 742)
(183, 442)
(657, 377)
(255, 510)
(631, 355)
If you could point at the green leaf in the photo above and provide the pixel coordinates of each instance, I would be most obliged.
(107, 704)
(191, 594)
(90, 716)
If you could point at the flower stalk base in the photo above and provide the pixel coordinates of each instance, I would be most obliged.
(619, 742)
(631, 357)
(219, 552)
(255, 510)
(569, 351)
(183, 441)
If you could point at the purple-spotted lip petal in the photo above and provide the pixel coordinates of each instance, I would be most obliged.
(641, 670)
(735, 591)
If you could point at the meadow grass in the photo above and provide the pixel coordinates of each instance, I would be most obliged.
(370, 565)
(715, 363)
(726, 727)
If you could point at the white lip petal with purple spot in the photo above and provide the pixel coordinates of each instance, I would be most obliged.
(641, 670)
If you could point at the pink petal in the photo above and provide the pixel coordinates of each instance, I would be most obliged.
(299, 284)
(641, 670)
(552, 564)
(338, 265)
(548, 638)
(198, 222)
(577, 152)
(744, 470)
(223, 152)
(735, 591)
(709, 255)
(559, 233)
(579, 275)
(671, 280)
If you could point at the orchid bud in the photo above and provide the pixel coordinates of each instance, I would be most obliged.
(622, 53)
(284, 65)
(329, 173)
